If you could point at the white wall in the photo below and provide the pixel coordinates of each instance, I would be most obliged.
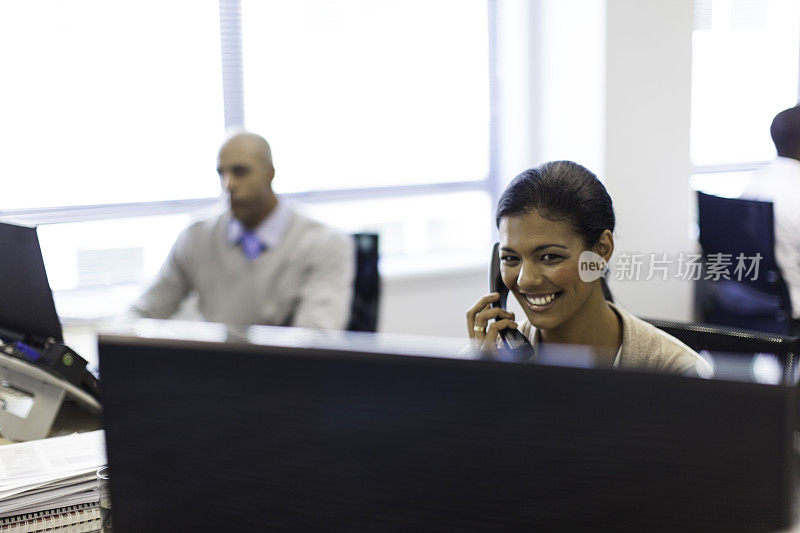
(434, 304)
(647, 170)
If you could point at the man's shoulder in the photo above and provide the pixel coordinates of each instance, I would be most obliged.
(304, 229)
(207, 225)
(200, 236)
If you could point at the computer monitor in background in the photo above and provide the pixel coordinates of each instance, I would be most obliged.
(27, 306)
(298, 431)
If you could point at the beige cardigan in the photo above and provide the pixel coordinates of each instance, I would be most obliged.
(644, 346)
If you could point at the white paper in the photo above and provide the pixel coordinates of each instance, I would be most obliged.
(52, 458)
(49, 473)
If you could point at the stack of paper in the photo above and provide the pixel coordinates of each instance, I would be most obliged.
(51, 482)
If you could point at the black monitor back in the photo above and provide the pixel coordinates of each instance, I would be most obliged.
(222, 437)
(26, 301)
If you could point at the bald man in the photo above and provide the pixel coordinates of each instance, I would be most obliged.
(259, 262)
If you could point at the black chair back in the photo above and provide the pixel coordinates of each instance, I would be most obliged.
(740, 228)
(708, 338)
(366, 285)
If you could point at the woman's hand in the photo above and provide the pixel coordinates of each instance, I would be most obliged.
(478, 317)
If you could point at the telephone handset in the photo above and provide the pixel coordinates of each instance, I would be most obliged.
(517, 347)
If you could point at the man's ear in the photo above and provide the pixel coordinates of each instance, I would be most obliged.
(270, 175)
(604, 247)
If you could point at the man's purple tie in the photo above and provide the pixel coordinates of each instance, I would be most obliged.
(251, 246)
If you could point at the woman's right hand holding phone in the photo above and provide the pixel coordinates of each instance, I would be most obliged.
(483, 335)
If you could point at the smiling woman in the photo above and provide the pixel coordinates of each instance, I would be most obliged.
(551, 218)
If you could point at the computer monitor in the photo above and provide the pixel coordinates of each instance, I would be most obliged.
(27, 308)
(303, 431)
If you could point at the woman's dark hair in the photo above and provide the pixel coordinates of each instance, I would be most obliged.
(562, 191)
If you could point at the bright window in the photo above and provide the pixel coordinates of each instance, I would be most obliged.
(354, 93)
(109, 102)
(744, 71)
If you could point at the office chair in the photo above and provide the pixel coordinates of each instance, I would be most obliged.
(705, 337)
(734, 226)
(366, 285)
